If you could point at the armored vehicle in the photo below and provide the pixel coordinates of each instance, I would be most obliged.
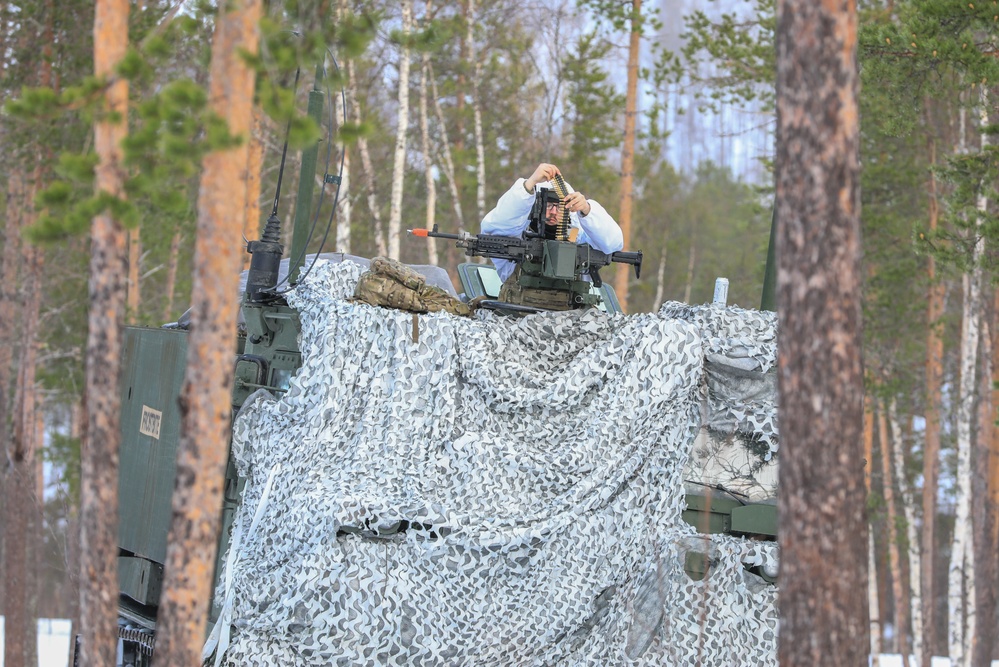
(267, 357)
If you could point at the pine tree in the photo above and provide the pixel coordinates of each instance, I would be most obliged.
(819, 361)
(205, 400)
(99, 493)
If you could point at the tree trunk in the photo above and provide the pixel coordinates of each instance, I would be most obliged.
(428, 160)
(824, 614)
(27, 438)
(205, 397)
(899, 598)
(20, 629)
(343, 202)
(459, 143)
(993, 493)
(21, 504)
(9, 299)
(344, 207)
(931, 450)
(691, 261)
(480, 151)
(134, 242)
(8, 305)
(657, 302)
(984, 545)
(449, 172)
(401, 129)
(73, 555)
(961, 595)
(873, 606)
(960, 600)
(30, 412)
(369, 173)
(628, 149)
(171, 280)
(99, 450)
(447, 161)
(873, 603)
(254, 167)
(914, 595)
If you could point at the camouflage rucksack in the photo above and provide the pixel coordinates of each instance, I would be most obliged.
(392, 284)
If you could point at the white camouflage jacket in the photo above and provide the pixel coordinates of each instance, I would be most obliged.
(510, 218)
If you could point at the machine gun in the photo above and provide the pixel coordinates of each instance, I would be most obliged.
(551, 269)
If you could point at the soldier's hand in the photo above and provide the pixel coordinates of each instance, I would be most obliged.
(576, 202)
(544, 172)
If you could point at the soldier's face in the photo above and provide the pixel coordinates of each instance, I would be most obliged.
(551, 213)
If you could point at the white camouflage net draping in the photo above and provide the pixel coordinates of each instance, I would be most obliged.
(496, 492)
(736, 446)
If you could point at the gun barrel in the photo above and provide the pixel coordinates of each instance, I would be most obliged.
(434, 233)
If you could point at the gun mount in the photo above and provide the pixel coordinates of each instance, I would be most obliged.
(553, 274)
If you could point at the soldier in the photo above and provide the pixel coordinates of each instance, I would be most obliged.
(510, 217)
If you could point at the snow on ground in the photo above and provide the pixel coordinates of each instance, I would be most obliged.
(54, 637)
(895, 660)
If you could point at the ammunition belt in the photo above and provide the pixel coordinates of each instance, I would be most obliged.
(145, 639)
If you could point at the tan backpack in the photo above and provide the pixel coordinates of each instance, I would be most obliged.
(391, 284)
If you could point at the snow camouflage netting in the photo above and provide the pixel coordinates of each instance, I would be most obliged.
(738, 440)
(495, 492)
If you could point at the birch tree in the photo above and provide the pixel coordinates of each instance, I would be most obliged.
(205, 396)
(445, 150)
(401, 130)
(930, 43)
(366, 165)
(992, 528)
(344, 204)
(899, 598)
(911, 536)
(428, 159)
(480, 150)
(961, 595)
(99, 474)
(819, 362)
(873, 605)
(343, 220)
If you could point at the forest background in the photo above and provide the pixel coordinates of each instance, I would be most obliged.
(445, 104)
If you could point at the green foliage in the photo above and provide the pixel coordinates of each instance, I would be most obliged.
(728, 58)
(34, 104)
(593, 105)
(710, 215)
(935, 47)
(621, 16)
(135, 67)
(348, 133)
(943, 49)
(171, 128)
(972, 178)
(64, 452)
